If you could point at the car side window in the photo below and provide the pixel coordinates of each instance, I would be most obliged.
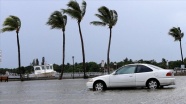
(126, 70)
(142, 69)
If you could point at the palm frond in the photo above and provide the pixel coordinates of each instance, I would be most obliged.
(172, 31)
(73, 13)
(181, 35)
(56, 20)
(176, 33)
(115, 18)
(11, 23)
(74, 6)
(111, 15)
(108, 17)
(105, 12)
(83, 8)
(5, 29)
(74, 10)
(98, 23)
(17, 20)
(63, 10)
(65, 20)
(102, 18)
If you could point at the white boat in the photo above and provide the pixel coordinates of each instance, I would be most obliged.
(43, 71)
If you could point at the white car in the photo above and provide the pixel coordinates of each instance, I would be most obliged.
(134, 75)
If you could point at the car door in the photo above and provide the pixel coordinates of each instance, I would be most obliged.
(143, 73)
(125, 76)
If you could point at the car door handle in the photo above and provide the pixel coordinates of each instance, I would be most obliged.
(130, 76)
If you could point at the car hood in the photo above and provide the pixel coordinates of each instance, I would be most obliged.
(101, 77)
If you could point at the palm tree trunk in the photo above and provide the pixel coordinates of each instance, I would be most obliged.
(83, 52)
(181, 52)
(108, 52)
(63, 67)
(19, 58)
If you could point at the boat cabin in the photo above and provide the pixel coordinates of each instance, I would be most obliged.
(43, 69)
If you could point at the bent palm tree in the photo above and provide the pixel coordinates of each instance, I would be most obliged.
(12, 23)
(58, 21)
(77, 13)
(108, 18)
(177, 35)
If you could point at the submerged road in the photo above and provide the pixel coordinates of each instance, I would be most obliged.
(74, 91)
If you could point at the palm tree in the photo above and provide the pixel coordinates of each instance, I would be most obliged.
(77, 13)
(12, 23)
(177, 35)
(107, 18)
(58, 21)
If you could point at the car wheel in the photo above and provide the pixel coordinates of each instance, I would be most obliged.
(152, 84)
(99, 86)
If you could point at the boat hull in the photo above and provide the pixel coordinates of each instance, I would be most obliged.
(51, 74)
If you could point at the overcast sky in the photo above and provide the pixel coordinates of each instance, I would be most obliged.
(140, 33)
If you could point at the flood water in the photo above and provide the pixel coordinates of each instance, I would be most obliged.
(74, 91)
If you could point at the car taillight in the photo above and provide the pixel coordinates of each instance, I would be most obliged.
(169, 74)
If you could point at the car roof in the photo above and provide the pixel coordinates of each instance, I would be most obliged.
(138, 64)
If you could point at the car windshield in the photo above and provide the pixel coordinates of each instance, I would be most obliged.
(156, 67)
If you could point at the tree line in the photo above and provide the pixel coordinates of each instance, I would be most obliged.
(96, 67)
